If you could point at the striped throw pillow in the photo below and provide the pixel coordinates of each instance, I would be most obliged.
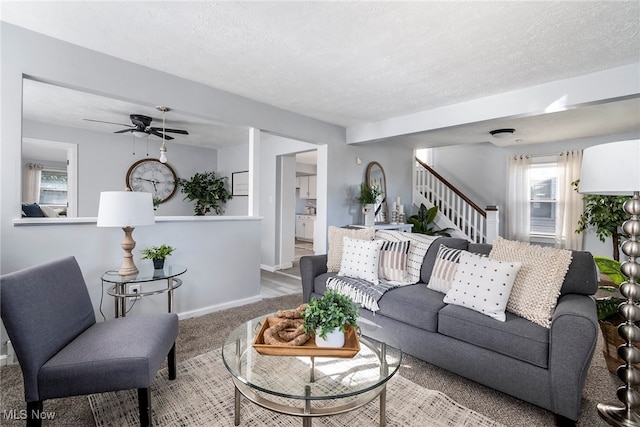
(444, 268)
(393, 261)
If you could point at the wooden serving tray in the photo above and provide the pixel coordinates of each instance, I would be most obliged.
(351, 344)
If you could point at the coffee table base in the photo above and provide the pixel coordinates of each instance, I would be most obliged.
(308, 413)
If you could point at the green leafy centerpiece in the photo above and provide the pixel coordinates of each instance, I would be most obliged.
(157, 254)
(327, 316)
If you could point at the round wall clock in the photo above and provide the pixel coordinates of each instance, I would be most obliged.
(151, 176)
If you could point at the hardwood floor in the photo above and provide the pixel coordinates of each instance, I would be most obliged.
(275, 284)
(285, 282)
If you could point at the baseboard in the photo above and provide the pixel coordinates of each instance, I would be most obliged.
(218, 307)
(274, 268)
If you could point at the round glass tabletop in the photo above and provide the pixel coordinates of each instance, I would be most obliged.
(309, 378)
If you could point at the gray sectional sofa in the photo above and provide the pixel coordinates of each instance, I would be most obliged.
(546, 367)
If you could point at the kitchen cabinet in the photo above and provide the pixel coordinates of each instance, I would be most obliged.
(307, 185)
(305, 227)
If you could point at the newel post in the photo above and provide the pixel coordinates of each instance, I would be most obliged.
(493, 223)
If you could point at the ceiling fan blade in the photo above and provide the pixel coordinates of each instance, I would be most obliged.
(156, 133)
(102, 121)
(124, 130)
(180, 131)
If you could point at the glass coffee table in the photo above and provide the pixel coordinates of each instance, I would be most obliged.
(309, 387)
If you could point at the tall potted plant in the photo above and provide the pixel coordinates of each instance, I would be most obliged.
(207, 190)
(367, 198)
(327, 316)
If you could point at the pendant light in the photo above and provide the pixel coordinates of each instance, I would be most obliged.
(163, 149)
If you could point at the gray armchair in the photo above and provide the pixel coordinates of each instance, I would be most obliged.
(63, 351)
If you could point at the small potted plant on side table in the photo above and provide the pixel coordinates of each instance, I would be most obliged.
(157, 254)
(327, 316)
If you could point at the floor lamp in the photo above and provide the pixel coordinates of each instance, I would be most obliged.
(614, 169)
(126, 209)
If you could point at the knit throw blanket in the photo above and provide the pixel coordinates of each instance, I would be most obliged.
(360, 291)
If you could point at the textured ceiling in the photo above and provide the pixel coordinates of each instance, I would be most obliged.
(350, 63)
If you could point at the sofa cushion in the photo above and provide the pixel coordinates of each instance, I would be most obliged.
(537, 286)
(483, 284)
(415, 305)
(336, 234)
(432, 253)
(360, 259)
(516, 337)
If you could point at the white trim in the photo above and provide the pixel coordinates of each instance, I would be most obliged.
(218, 307)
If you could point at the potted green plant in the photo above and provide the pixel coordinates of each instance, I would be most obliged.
(157, 254)
(367, 198)
(327, 316)
(606, 214)
(207, 190)
(423, 222)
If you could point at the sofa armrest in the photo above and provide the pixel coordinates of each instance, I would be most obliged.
(572, 341)
(311, 267)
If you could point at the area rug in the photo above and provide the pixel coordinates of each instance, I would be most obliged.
(202, 395)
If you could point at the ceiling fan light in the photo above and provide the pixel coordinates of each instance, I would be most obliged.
(139, 134)
(502, 133)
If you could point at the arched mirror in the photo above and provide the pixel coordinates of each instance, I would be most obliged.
(376, 178)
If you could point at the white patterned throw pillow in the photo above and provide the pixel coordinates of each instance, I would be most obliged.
(360, 259)
(334, 256)
(483, 285)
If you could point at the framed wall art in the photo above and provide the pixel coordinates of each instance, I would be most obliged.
(240, 183)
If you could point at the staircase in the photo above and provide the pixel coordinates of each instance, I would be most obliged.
(455, 210)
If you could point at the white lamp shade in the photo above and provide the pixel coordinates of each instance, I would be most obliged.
(611, 169)
(125, 209)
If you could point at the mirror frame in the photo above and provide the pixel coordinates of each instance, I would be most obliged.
(381, 208)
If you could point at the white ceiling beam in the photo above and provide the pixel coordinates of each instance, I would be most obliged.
(556, 96)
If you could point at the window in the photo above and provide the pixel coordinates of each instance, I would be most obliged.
(53, 187)
(542, 206)
(543, 181)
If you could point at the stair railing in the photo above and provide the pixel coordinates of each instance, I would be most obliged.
(456, 210)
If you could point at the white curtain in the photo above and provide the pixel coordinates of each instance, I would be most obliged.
(31, 174)
(569, 204)
(517, 222)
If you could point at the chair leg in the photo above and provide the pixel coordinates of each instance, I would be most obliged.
(144, 405)
(34, 413)
(171, 362)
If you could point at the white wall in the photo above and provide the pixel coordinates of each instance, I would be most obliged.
(222, 254)
(234, 158)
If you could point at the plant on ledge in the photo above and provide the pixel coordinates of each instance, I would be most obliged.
(331, 311)
(208, 191)
(423, 222)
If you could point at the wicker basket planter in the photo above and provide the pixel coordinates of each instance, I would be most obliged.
(612, 341)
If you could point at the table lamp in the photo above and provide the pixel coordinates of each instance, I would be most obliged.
(126, 209)
(614, 169)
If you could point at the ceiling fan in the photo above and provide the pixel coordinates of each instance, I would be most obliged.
(142, 125)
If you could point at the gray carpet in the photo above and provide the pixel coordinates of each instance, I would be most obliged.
(206, 333)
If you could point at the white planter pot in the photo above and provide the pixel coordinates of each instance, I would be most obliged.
(369, 212)
(334, 338)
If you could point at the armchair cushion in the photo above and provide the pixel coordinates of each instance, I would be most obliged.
(118, 354)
